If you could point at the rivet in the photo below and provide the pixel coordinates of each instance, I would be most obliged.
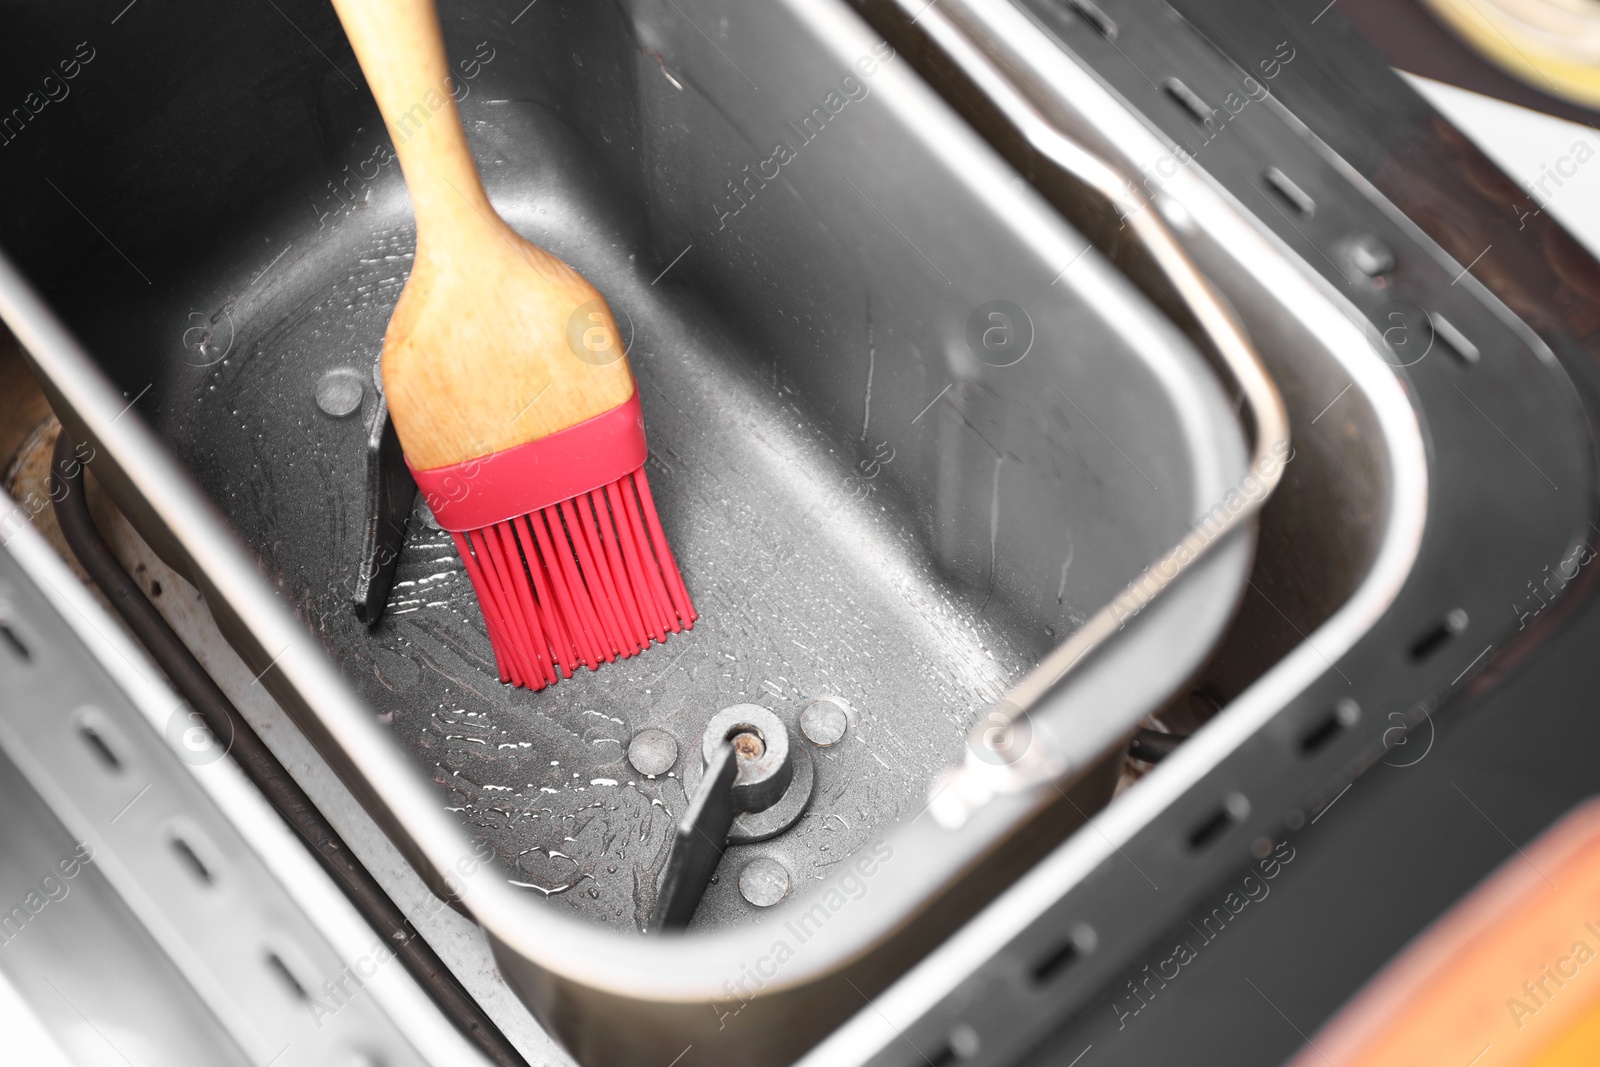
(340, 391)
(764, 882)
(652, 751)
(824, 722)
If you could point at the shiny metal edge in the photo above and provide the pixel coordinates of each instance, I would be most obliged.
(1347, 337)
(291, 665)
(406, 1007)
(1048, 759)
(136, 466)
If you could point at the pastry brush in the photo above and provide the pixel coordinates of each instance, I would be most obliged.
(511, 394)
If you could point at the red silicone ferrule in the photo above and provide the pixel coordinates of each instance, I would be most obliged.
(519, 481)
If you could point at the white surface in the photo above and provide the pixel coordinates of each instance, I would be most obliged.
(24, 1035)
(1534, 148)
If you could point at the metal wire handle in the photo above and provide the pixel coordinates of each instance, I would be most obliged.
(961, 791)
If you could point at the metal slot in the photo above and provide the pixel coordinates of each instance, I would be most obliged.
(1453, 339)
(100, 747)
(1059, 960)
(1233, 810)
(1080, 942)
(1436, 638)
(15, 643)
(1091, 13)
(1290, 193)
(1188, 99)
(276, 965)
(1337, 720)
(191, 859)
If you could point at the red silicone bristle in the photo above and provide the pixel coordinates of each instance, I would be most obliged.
(491, 598)
(490, 615)
(561, 647)
(500, 564)
(681, 604)
(537, 651)
(652, 567)
(565, 598)
(611, 606)
(649, 611)
(584, 580)
(579, 582)
(507, 656)
(595, 514)
(598, 582)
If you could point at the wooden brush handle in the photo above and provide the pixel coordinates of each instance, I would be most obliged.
(494, 342)
(401, 52)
